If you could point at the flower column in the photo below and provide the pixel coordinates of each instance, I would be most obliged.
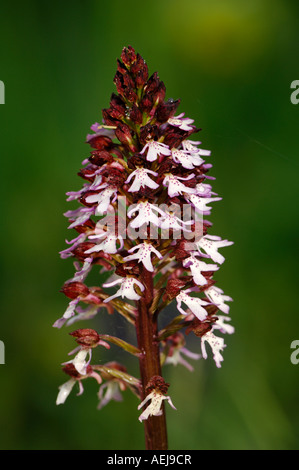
(142, 153)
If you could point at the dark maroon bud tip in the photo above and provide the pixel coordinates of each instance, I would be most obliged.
(157, 382)
(128, 56)
(86, 337)
(75, 289)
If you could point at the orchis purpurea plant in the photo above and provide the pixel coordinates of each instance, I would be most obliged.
(141, 219)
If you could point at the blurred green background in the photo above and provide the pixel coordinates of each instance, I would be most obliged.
(231, 63)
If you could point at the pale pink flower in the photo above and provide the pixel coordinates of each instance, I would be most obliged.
(200, 203)
(103, 199)
(197, 266)
(126, 289)
(142, 179)
(210, 244)
(154, 408)
(216, 297)
(217, 345)
(195, 304)
(175, 187)
(187, 160)
(181, 122)
(154, 149)
(190, 146)
(146, 214)
(143, 255)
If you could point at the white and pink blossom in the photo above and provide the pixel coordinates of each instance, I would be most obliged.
(154, 408)
(175, 187)
(196, 267)
(154, 149)
(181, 122)
(143, 255)
(210, 244)
(126, 288)
(195, 304)
(142, 179)
(216, 297)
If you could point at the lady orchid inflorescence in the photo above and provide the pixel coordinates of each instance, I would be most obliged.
(141, 220)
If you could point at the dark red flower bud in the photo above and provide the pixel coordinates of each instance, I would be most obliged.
(140, 70)
(153, 84)
(70, 370)
(86, 227)
(99, 157)
(109, 120)
(159, 94)
(75, 289)
(136, 114)
(148, 132)
(117, 107)
(146, 103)
(166, 110)
(157, 382)
(119, 83)
(128, 56)
(79, 251)
(100, 142)
(200, 328)
(87, 173)
(86, 337)
(174, 286)
(124, 135)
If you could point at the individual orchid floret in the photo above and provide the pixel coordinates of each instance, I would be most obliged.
(99, 130)
(217, 345)
(66, 388)
(109, 391)
(112, 388)
(181, 122)
(74, 243)
(204, 190)
(171, 221)
(82, 271)
(196, 266)
(70, 311)
(175, 187)
(195, 304)
(187, 160)
(126, 289)
(87, 339)
(103, 199)
(200, 203)
(77, 291)
(221, 325)
(142, 179)
(143, 255)
(191, 146)
(156, 389)
(80, 215)
(146, 214)
(216, 297)
(174, 349)
(108, 245)
(210, 244)
(154, 149)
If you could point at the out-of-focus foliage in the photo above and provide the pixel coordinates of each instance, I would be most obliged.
(231, 63)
